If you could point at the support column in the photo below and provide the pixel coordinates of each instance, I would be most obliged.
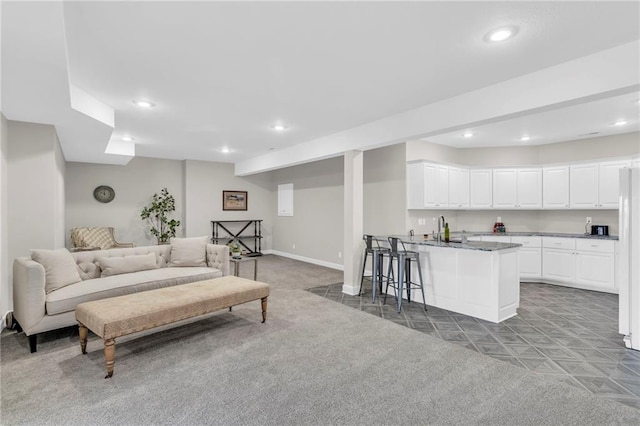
(353, 220)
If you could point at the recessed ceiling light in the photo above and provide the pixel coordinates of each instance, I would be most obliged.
(225, 150)
(279, 127)
(127, 138)
(467, 134)
(500, 34)
(525, 138)
(620, 123)
(143, 104)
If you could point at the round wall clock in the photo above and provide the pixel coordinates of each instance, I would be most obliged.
(104, 193)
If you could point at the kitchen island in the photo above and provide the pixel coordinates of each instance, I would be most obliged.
(475, 278)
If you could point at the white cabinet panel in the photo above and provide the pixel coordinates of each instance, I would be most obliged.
(436, 185)
(529, 188)
(285, 199)
(555, 187)
(530, 257)
(595, 269)
(458, 187)
(584, 186)
(609, 183)
(517, 188)
(558, 265)
(415, 186)
(480, 189)
(505, 188)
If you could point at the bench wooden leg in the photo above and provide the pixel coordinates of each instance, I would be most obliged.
(264, 309)
(110, 356)
(84, 332)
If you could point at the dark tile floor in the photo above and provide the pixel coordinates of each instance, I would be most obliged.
(562, 332)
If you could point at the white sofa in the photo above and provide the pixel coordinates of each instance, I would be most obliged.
(39, 308)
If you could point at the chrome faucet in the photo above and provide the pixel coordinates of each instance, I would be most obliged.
(440, 228)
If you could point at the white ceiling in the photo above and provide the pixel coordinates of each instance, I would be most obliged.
(221, 73)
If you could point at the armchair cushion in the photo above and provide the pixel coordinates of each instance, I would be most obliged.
(95, 237)
(59, 266)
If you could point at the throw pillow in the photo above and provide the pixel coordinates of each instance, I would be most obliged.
(189, 251)
(59, 266)
(88, 270)
(126, 264)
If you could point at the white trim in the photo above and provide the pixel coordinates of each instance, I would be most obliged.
(350, 290)
(306, 259)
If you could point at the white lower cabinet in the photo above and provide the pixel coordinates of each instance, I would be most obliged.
(581, 263)
(530, 257)
(575, 262)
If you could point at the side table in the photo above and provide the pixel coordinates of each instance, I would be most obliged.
(238, 260)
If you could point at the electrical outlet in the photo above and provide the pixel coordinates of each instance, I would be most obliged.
(588, 219)
(339, 255)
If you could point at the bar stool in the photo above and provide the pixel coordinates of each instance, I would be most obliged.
(404, 259)
(377, 261)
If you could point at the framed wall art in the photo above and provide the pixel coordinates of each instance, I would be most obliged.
(234, 200)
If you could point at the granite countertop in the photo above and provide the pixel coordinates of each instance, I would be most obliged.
(542, 234)
(469, 245)
(488, 245)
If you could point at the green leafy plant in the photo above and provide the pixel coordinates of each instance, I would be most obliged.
(156, 215)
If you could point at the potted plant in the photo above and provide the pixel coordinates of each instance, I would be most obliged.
(235, 249)
(156, 215)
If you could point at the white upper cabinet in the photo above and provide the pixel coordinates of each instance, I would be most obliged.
(458, 187)
(583, 191)
(555, 187)
(415, 186)
(505, 188)
(529, 188)
(480, 189)
(596, 185)
(579, 186)
(609, 183)
(517, 188)
(436, 185)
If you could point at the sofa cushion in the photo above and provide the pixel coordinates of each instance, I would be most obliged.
(126, 264)
(189, 251)
(59, 266)
(67, 298)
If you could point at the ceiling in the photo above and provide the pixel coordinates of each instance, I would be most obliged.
(221, 74)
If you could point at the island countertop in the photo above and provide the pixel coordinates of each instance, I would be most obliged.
(454, 244)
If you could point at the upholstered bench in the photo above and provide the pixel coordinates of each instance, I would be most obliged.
(123, 315)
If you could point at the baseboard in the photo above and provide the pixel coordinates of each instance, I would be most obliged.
(350, 290)
(306, 259)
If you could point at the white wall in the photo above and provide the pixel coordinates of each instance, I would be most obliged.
(5, 292)
(316, 228)
(204, 183)
(134, 185)
(35, 174)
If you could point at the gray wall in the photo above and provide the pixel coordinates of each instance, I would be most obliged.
(572, 221)
(35, 174)
(5, 294)
(384, 191)
(316, 228)
(204, 183)
(134, 185)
